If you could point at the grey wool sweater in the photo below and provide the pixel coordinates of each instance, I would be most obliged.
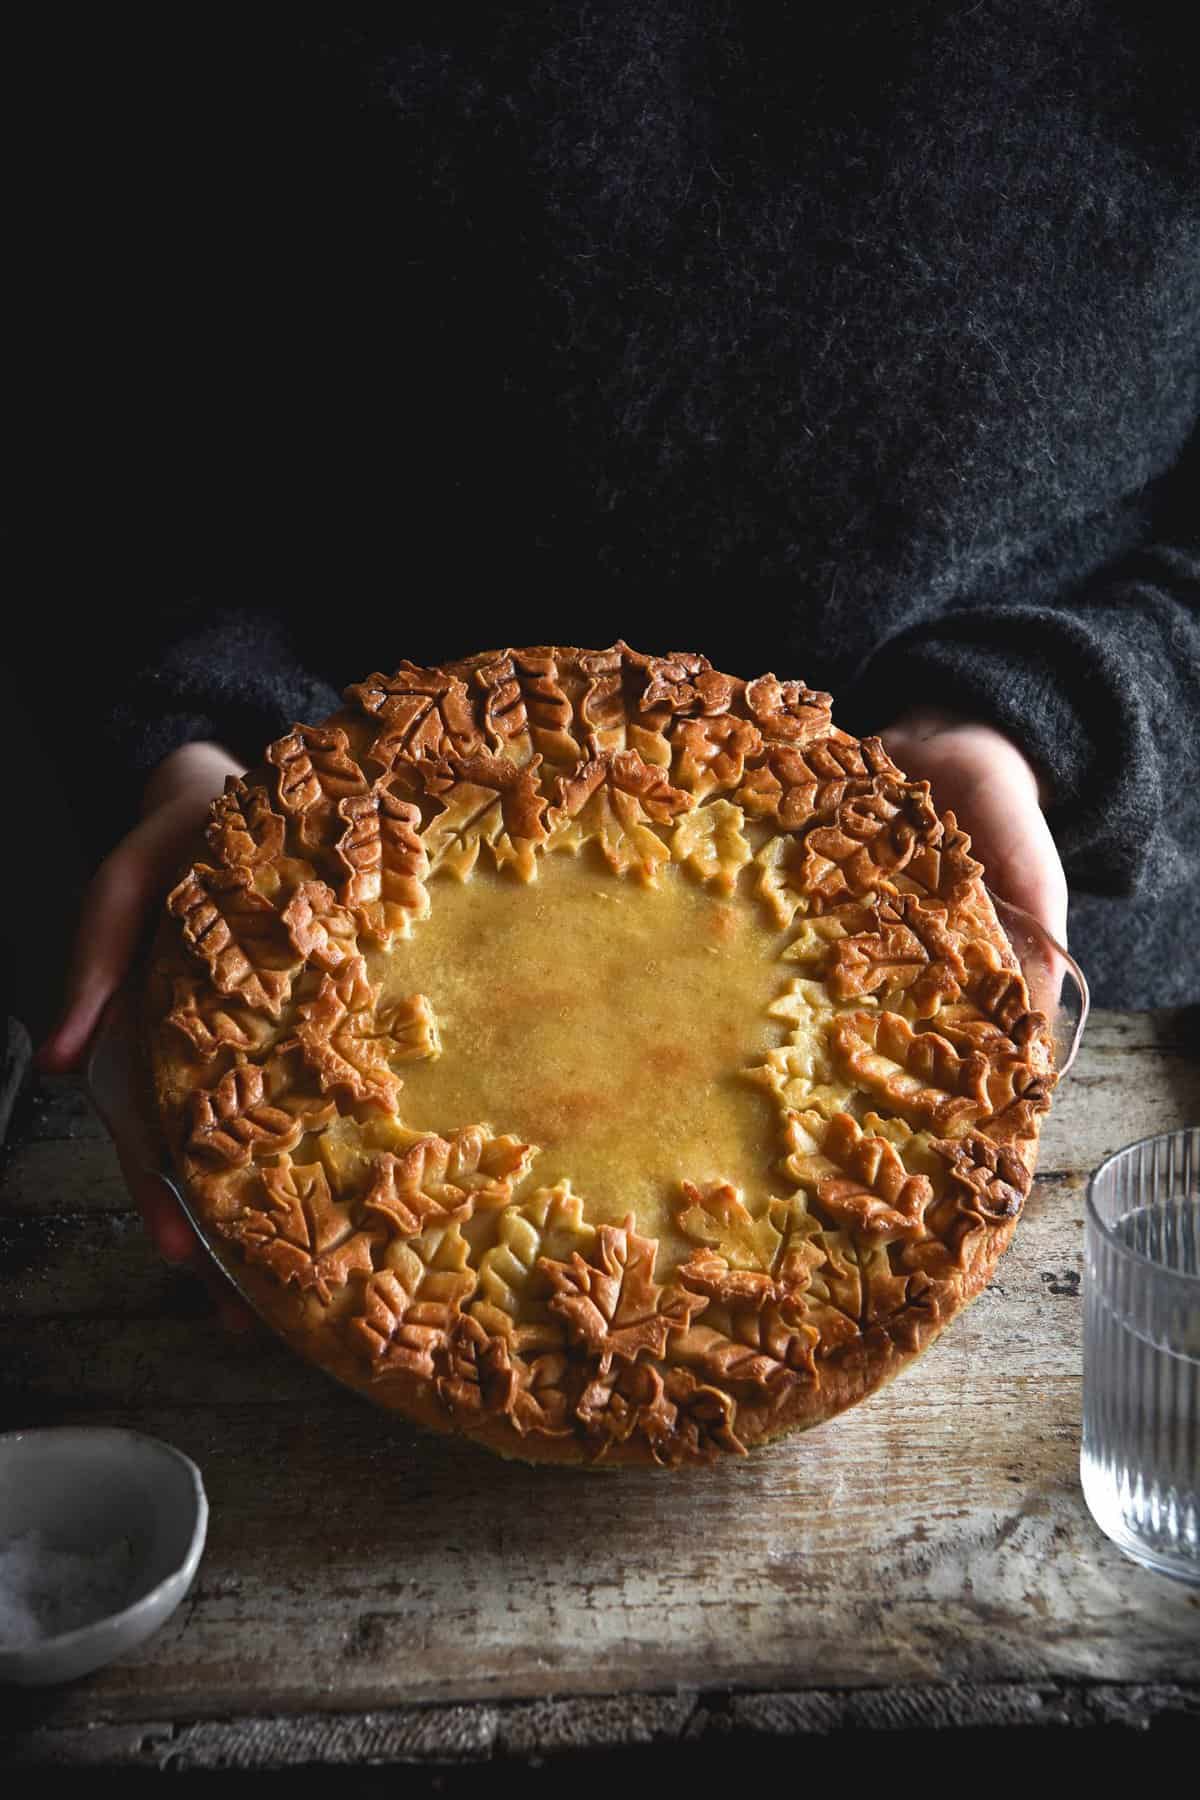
(857, 343)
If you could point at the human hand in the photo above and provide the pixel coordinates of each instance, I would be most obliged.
(981, 776)
(116, 908)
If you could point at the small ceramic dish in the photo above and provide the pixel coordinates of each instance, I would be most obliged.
(84, 1491)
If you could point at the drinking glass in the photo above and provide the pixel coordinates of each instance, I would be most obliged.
(1140, 1462)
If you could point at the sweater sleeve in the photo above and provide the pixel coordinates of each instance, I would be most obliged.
(232, 674)
(1101, 688)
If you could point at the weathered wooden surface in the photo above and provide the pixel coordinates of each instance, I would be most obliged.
(931, 1545)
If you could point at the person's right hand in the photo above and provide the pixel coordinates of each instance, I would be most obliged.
(117, 906)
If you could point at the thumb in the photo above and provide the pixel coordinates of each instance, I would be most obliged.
(114, 910)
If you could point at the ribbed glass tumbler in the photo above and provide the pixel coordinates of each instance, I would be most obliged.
(1140, 1462)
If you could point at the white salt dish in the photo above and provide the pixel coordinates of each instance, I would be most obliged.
(82, 1490)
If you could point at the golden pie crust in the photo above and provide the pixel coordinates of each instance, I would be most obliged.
(595, 1054)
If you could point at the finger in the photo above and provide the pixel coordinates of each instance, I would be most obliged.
(165, 1222)
(170, 1232)
(114, 907)
(112, 916)
(173, 1237)
(1028, 871)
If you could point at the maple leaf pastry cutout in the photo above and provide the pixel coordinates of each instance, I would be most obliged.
(614, 1306)
(300, 1233)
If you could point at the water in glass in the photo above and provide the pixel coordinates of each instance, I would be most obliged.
(1140, 1461)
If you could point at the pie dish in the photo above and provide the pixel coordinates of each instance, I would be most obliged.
(595, 1054)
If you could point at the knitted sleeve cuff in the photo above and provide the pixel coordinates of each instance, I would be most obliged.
(1088, 694)
(237, 681)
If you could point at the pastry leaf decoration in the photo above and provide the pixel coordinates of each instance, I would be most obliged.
(986, 1188)
(440, 1180)
(613, 1305)
(614, 799)
(602, 708)
(486, 800)
(710, 754)
(715, 1216)
(1018, 1094)
(758, 1321)
(524, 700)
(609, 710)
(771, 1346)
(351, 1047)
(301, 1234)
(943, 864)
(212, 1023)
(410, 1306)
(398, 1331)
(687, 684)
(424, 712)
(679, 1417)
(1002, 995)
(480, 1376)
(781, 883)
(475, 1372)
(237, 933)
(787, 711)
(549, 1224)
(920, 1074)
(795, 781)
(315, 772)
(872, 839)
(242, 1118)
(709, 1273)
(243, 828)
(385, 862)
(908, 948)
(320, 931)
(859, 1181)
(626, 772)
(711, 841)
(986, 1179)
(704, 1421)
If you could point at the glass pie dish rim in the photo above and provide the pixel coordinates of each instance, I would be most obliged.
(111, 1072)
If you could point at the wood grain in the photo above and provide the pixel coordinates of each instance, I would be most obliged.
(932, 1540)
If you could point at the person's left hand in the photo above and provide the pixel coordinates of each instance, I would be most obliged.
(116, 909)
(981, 776)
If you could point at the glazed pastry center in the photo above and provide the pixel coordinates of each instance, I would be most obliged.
(605, 1022)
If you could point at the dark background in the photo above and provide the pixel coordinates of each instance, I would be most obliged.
(208, 374)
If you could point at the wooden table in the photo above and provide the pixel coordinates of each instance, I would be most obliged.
(370, 1594)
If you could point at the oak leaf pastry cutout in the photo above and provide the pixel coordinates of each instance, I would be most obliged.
(236, 932)
(315, 772)
(595, 1054)
(384, 863)
(211, 1023)
(442, 1181)
(244, 828)
(250, 1113)
(710, 754)
(526, 711)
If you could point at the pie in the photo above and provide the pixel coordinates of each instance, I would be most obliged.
(595, 1054)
